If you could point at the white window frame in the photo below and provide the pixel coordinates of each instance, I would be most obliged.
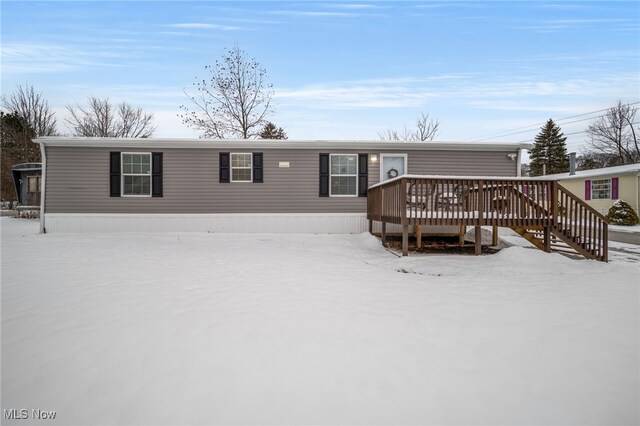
(123, 174)
(601, 180)
(354, 175)
(382, 177)
(250, 154)
(37, 177)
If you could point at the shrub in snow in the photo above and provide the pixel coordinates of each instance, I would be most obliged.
(621, 213)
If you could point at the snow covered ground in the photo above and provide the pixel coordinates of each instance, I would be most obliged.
(623, 228)
(227, 328)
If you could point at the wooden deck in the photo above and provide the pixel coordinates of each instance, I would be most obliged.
(538, 209)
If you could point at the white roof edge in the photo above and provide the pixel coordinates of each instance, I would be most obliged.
(274, 144)
(604, 171)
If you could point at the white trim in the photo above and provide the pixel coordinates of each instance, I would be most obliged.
(519, 163)
(122, 175)
(250, 154)
(279, 223)
(147, 143)
(349, 175)
(406, 163)
(43, 161)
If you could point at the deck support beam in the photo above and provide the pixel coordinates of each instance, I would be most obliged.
(370, 226)
(547, 239)
(405, 240)
(418, 233)
(478, 240)
(384, 232)
(494, 236)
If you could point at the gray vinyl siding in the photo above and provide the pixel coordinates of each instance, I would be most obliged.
(77, 180)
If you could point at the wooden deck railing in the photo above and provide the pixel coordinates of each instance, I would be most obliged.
(577, 222)
(516, 203)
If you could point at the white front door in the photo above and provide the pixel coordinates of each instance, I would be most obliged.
(392, 165)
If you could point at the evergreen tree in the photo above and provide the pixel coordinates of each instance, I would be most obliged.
(550, 149)
(270, 131)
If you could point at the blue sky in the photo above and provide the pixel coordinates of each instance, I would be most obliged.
(340, 70)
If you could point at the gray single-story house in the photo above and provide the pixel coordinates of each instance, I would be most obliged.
(110, 184)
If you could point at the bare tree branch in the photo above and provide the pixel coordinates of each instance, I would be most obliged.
(426, 130)
(234, 102)
(613, 134)
(101, 119)
(30, 105)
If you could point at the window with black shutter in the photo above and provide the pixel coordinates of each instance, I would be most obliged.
(114, 174)
(257, 167)
(363, 174)
(156, 174)
(225, 166)
(324, 175)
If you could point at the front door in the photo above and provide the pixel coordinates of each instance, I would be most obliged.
(392, 165)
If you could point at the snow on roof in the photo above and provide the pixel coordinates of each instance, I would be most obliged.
(461, 177)
(605, 171)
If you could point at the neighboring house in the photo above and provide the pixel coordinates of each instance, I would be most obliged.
(27, 178)
(600, 188)
(106, 184)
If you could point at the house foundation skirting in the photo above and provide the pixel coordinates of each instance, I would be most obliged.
(298, 223)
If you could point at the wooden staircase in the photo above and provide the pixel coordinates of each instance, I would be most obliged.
(556, 244)
(578, 230)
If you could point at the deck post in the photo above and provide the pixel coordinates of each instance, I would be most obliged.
(405, 240)
(463, 230)
(384, 232)
(418, 232)
(494, 236)
(478, 238)
(370, 226)
(547, 239)
(480, 203)
(605, 242)
(404, 221)
(554, 204)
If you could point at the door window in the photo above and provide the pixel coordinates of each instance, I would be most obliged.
(392, 166)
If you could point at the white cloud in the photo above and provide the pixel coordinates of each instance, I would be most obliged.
(407, 92)
(38, 58)
(204, 26)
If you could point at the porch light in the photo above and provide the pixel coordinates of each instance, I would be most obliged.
(374, 158)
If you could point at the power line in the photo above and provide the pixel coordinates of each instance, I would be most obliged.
(533, 127)
(572, 133)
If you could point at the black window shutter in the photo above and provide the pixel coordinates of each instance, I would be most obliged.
(257, 167)
(225, 167)
(156, 174)
(324, 175)
(363, 174)
(114, 174)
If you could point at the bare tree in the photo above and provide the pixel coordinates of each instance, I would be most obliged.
(31, 106)
(614, 134)
(426, 130)
(16, 147)
(233, 102)
(102, 119)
